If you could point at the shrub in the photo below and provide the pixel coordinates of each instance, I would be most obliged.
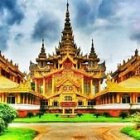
(133, 112)
(2, 125)
(7, 113)
(56, 115)
(42, 110)
(106, 114)
(131, 132)
(39, 114)
(30, 114)
(79, 114)
(97, 115)
(123, 115)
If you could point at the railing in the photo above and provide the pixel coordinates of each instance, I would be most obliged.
(118, 106)
(25, 106)
(77, 107)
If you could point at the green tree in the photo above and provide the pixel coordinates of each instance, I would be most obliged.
(136, 119)
(2, 126)
(7, 113)
(123, 115)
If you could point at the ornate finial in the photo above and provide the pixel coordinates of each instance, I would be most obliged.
(92, 43)
(92, 52)
(92, 47)
(67, 5)
(42, 42)
(42, 48)
(136, 52)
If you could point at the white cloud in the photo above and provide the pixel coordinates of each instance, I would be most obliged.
(111, 36)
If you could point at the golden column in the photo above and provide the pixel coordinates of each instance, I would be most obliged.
(36, 89)
(44, 86)
(2, 98)
(133, 96)
(52, 84)
(136, 97)
(82, 85)
(18, 98)
(113, 99)
(118, 98)
(0, 71)
(91, 87)
(99, 85)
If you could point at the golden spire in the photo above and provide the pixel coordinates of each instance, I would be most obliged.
(67, 32)
(92, 54)
(42, 55)
(67, 45)
(42, 48)
(67, 5)
(136, 52)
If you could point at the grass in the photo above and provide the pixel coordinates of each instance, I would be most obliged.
(132, 132)
(83, 118)
(18, 134)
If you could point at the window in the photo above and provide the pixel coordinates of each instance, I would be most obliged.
(125, 99)
(80, 103)
(138, 99)
(41, 89)
(87, 86)
(96, 86)
(55, 103)
(68, 98)
(33, 85)
(11, 99)
(44, 104)
(90, 103)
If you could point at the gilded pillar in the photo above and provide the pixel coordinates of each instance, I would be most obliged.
(63, 111)
(104, 99)
(112, 98)
(82, 85)
(99, 85)
(118, 98)
(52, 85)
(44, 86)
(91, 87)
(2, 97)
(36, 89)
(72, 111)
(0, 71)
(18, 98)
(136, 97)
(133, 98)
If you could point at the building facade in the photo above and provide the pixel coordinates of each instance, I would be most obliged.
(68, 80)
(15, 90)
(123, 89)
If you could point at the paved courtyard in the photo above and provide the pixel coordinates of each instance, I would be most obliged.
(78, 131)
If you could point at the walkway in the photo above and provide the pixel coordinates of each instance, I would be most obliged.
(78, 131)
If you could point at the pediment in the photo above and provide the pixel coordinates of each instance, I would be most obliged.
(67, 58)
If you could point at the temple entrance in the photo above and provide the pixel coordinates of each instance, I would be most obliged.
(68, 109)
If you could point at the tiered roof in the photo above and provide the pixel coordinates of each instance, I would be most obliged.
(67, 49)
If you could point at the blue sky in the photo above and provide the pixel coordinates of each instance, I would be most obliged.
(114, 26)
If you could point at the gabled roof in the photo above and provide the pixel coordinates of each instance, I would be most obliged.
(57, 94)
(130, 85)
(68, 80)
(8, 86)
(6, 83)
(67, 57)
(133, 83)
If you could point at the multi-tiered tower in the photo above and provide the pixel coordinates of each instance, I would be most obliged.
(67, 79)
